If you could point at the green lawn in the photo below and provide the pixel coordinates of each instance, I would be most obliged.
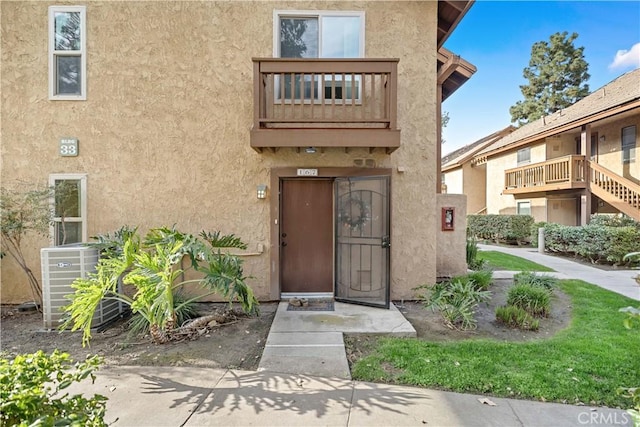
(501, 261)
(586, 362)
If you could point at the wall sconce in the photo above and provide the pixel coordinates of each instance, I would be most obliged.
(310, 150)
(262, 191)
(602, 138)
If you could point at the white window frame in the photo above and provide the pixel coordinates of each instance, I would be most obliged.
(319, 14)
(523, 162)
(53, 54)
(83, 203)
(522, 202)
(631, 143)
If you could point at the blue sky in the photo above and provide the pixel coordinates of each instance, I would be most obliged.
(496, 37)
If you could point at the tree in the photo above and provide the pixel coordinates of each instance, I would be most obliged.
(557, 75)
(24, 212)
(444, 120)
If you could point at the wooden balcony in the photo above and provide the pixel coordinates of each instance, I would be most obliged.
(558, 174)
(323, 103)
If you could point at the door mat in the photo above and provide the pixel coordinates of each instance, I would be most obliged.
(312, 305)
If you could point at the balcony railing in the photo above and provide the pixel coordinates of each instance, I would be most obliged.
(325, 103)
(557, 174)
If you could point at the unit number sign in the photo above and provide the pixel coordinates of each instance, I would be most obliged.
(68, 147)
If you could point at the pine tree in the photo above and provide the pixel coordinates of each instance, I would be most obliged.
(557, 75)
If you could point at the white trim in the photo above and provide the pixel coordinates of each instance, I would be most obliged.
(82, 177)
(82, 53)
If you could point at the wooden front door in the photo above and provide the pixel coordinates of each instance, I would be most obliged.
(306, 235)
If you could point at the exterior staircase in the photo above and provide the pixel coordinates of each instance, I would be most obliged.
(616, 190)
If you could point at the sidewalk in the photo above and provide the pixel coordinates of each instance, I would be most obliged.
(180, 396)
(619, 281)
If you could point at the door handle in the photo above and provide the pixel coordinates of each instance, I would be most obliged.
(386, 242)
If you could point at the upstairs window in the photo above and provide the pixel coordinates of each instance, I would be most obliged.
(524, 156)
(67, 53)
(313, 34)
(628, 144)
(70, 208)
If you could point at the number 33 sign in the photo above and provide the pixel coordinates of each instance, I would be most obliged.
(68, 147)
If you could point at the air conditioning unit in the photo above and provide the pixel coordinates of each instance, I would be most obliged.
(61, 265)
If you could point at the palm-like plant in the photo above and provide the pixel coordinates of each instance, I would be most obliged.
(154, 269)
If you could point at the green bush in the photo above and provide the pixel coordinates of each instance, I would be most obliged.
(613, 221)
(455, 300)
(516, 317)
(480, 279)
(500, 228)
(530, 278)
(533, 238)
(597, 243)
(31, 391)
(535, 300)
(473, 262)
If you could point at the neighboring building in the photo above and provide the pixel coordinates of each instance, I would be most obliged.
(461, 176)
(309, 129)
(578, 161)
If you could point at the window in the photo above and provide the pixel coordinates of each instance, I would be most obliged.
(67, 53)
(524, 156)
(628, 144)
(313, 34)
(523, 208)
(70, 208)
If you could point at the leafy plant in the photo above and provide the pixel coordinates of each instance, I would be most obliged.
(455, 300)
(153, 267)
(23, 212)
(32, 391)
(500, 228)
(535, 300)
(473, 262)
(480, 279)
(541, 280)
(185, 310)
(516, 317)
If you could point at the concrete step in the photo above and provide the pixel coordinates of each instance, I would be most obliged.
(306, 353)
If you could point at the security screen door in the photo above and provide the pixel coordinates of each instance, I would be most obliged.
(362, 240)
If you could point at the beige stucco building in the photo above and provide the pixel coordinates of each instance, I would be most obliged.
(182, 113)
(564, 167)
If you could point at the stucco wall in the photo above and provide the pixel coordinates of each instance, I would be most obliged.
(452, 244)
(453, 179)
(164, 132)
(475, 187)
(609, 150)
(563, 210)
(560, 145)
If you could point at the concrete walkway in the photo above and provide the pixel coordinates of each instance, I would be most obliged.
(619, 281)
(179, 396)
(311, 342)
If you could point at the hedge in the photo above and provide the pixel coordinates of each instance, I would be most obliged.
(500, 228)
(595, 242)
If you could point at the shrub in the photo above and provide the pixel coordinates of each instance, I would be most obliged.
(473, 262)
(533, 237)
(516, 317)
(500, 228)
(542, 280)
(31, 391)
(481, 279)
(595, 242)
(456, 301)
(613, 221)
(535, 300)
